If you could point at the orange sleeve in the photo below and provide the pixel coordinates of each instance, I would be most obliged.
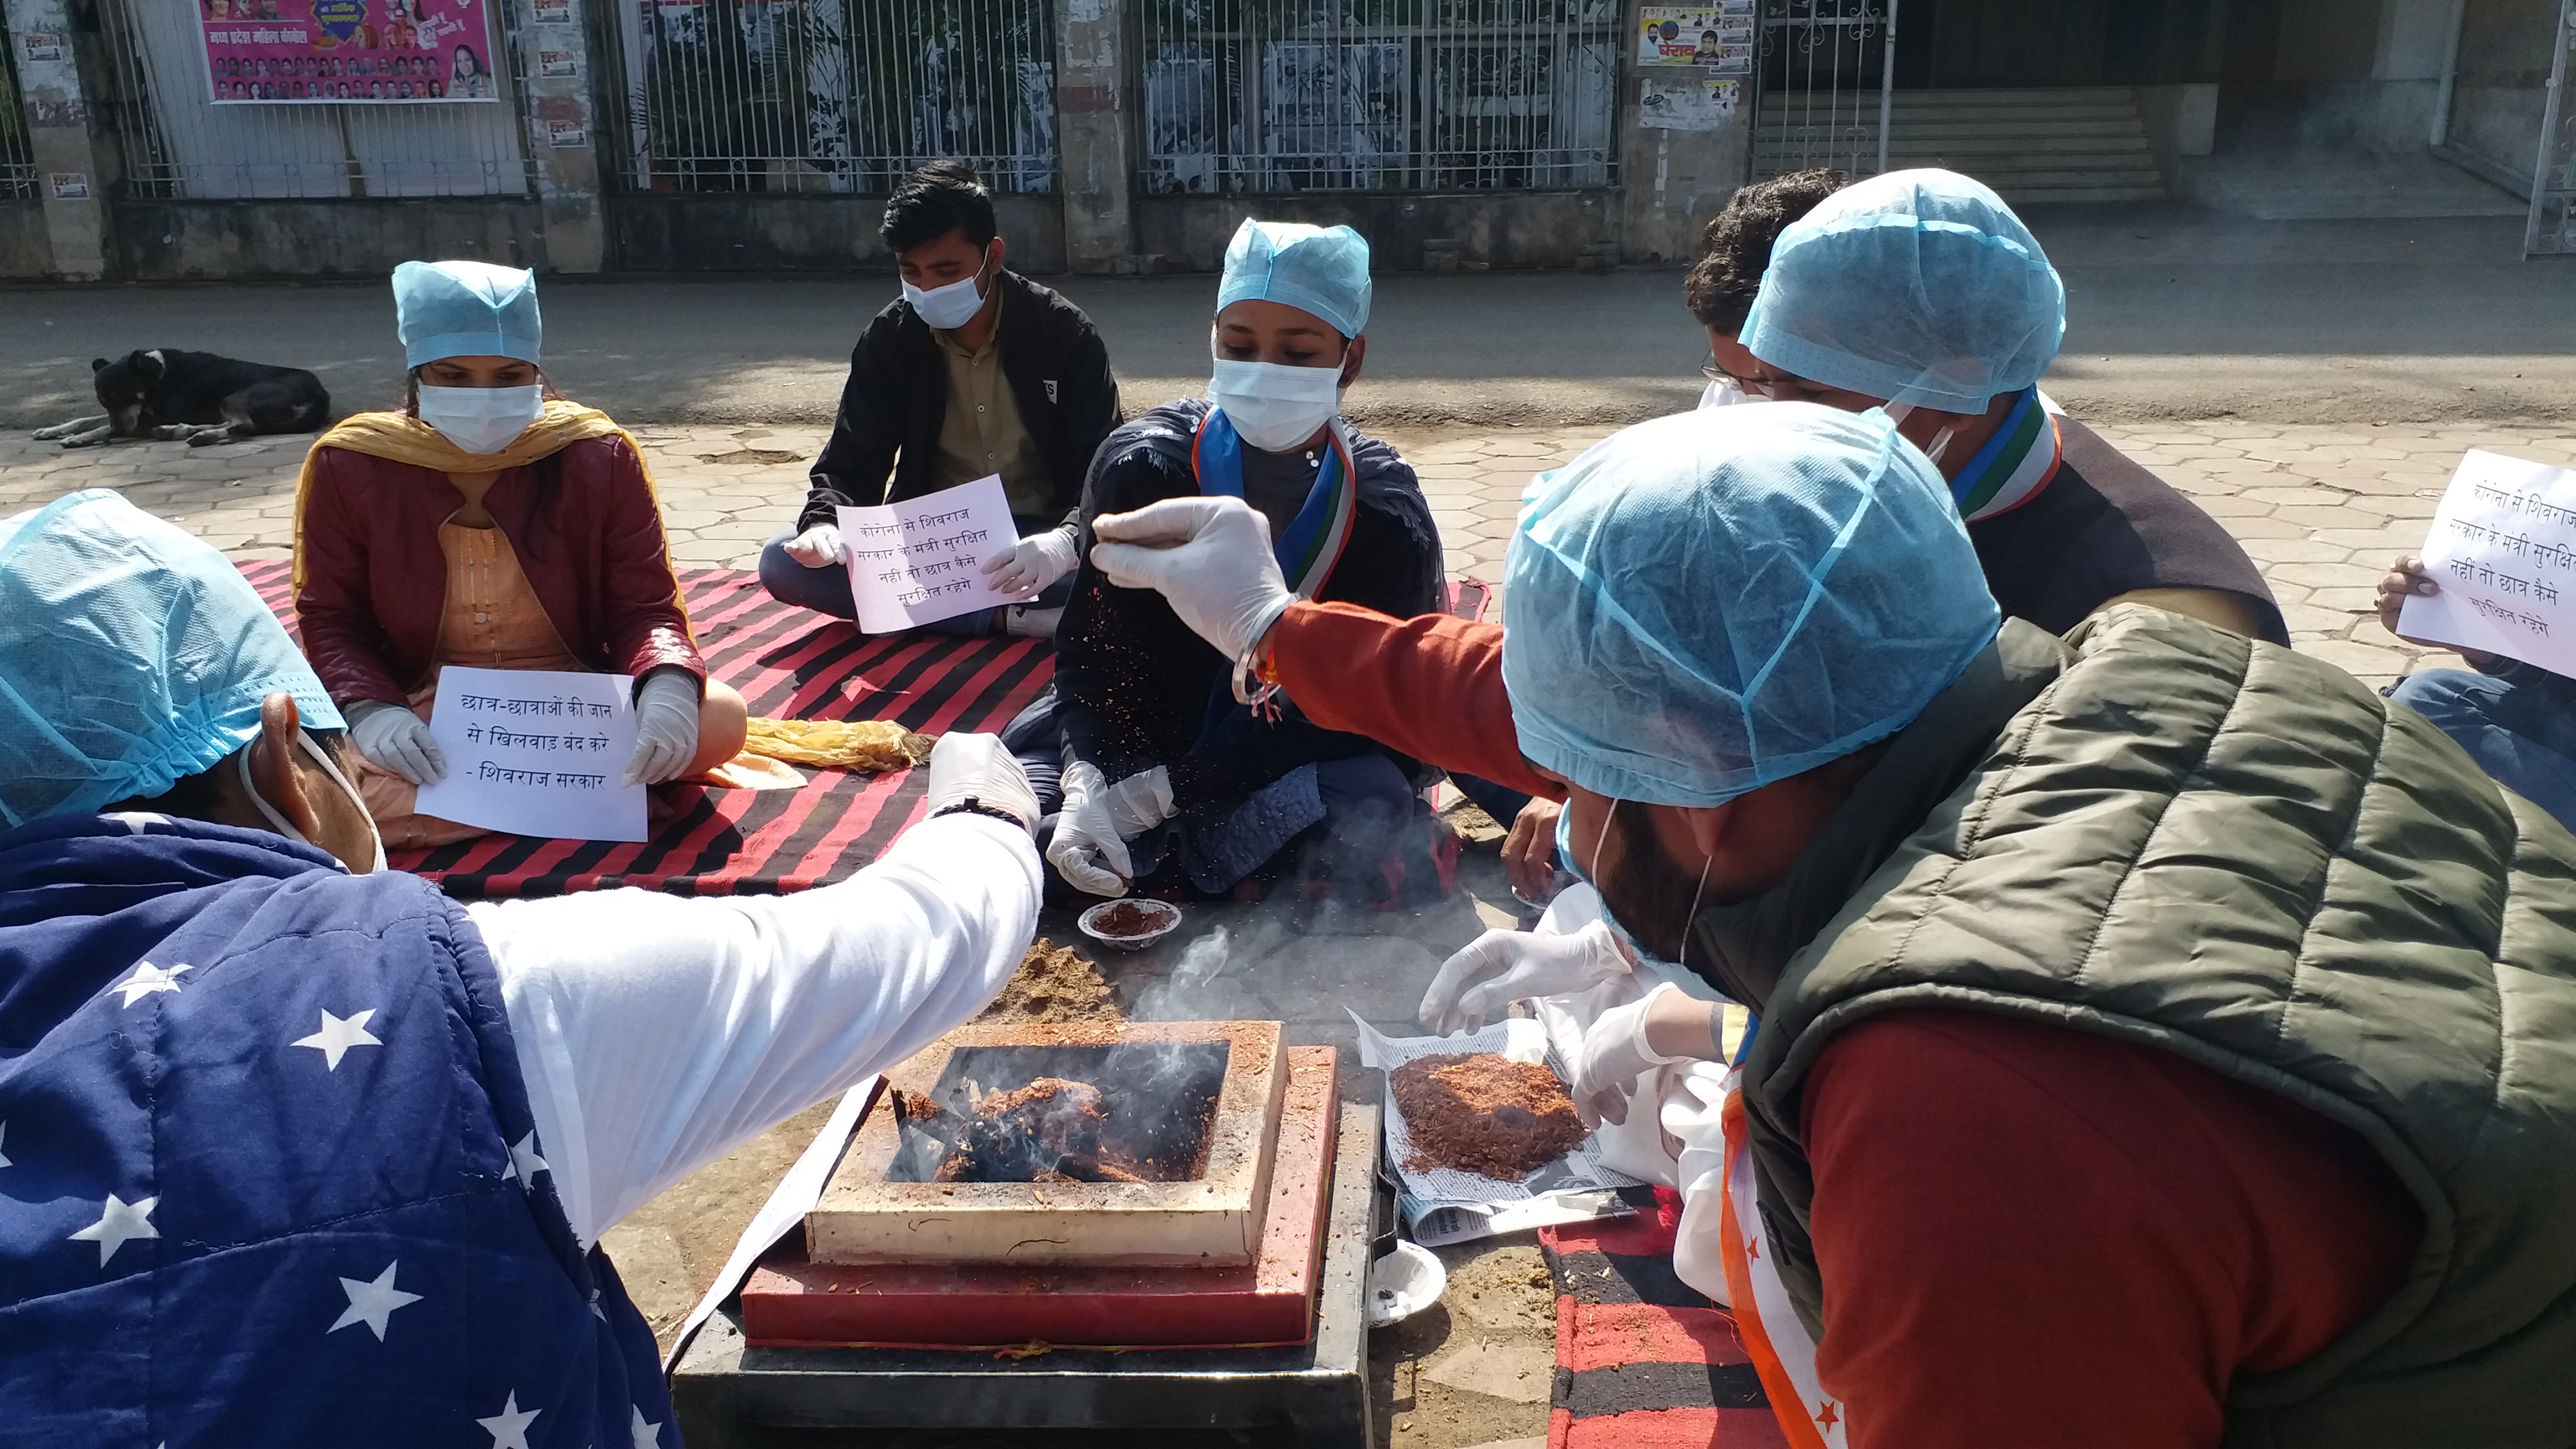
(1430, 687)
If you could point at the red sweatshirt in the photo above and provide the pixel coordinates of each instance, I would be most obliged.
(2028, 1234)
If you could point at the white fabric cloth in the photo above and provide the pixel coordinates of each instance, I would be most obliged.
(657, 1033)
(1672, 1137)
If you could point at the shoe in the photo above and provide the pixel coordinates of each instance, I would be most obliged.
(1022, 622)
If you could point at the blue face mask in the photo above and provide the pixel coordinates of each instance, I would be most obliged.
(1637, 953)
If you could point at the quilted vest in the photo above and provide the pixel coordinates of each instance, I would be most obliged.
(2240, 854)
(267, 1169)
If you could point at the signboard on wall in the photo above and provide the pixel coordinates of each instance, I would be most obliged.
(1718, 36)
(348, 52)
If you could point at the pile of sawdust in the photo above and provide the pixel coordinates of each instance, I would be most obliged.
(1054, 983)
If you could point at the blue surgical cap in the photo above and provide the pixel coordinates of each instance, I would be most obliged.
(1318, 269)
(1707, 603)
(465, 309)
(132, 656)
(1918, 287)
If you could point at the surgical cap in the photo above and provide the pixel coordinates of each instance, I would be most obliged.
(1318, 269)
(1918, 287)
(132, 656)
(1707, 603)
(465, 309)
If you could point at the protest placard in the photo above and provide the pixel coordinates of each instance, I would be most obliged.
(2502, 548)
(922, 560)
(536, 752)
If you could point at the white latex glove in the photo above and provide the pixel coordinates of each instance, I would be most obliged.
(1501, 967)
(666, 727)
(1024, 570)
(817, 546)
(1140, 802)
(1086, 849)
(394, 738)
(977, 768)
(1210, 557)
(1612, 1057)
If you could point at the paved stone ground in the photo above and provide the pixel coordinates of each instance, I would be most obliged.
(2321, 508)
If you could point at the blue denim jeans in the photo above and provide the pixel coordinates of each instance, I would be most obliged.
(2519, 726)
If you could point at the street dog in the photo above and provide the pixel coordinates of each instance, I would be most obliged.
(195, 396)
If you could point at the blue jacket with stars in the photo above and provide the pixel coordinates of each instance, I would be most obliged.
(256, 1177)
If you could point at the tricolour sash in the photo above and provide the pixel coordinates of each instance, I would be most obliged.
(1322, 527)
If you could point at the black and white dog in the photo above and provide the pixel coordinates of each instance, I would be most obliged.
(198, 396)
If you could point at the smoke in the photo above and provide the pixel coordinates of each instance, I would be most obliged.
(1186, 993)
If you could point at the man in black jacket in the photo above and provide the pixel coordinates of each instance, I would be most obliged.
(974, 371)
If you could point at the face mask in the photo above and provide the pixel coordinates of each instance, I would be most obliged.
(1276, 407)
(1898, 412)
(481, 419)
(1637, 953)
(277, 819)
(945, 309)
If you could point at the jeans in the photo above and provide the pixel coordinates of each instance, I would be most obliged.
(2520, 727)
(826, 590)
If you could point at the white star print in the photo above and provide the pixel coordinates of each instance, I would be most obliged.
(119, 1222)
(525, 1161)
(338, 1034)
(373, 1303)
(595, 1310)
(4, 1136)
(509, 1428)
(148, 978)
(647, 1435)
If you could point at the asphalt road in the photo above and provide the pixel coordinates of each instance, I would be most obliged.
(2173, 312)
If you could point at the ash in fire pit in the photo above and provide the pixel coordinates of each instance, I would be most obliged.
(1135, 1112)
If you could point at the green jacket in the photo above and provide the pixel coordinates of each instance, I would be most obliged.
(2172, 835)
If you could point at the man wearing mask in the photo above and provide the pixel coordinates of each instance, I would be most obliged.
(1163, 758)
(290, 1142)
(974, 370)
(2162, 1041)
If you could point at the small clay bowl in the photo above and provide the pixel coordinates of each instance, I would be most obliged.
(1165, 912)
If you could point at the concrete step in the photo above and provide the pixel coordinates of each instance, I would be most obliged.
(2074, 145)
(2034, 96)
(2026, 144)
(2078, 195)
(1918, 126)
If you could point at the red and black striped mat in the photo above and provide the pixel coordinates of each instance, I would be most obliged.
(1643, 1361)
(789, 663)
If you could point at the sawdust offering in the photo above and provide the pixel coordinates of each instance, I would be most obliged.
(1054, 983)
(1485, 1114)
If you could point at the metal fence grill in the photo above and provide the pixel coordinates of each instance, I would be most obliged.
(1823, 69)
(1379, 95)
(836, 95)
(178, 144)
(17, 160)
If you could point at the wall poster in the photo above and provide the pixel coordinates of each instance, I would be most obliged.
(1719, 36)
(344, 52)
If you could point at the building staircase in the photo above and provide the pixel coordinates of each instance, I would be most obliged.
(2076, 144)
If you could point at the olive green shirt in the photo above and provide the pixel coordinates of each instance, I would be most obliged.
(981, 432)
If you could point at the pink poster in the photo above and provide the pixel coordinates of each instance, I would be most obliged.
(341, 52)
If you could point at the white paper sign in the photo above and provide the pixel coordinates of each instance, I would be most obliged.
(922, 560)
(536, 752)
(2503, 549)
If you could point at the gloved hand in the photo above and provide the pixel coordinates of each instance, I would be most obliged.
(666, 727)
(818, 546)
(977, 768)
(1140, 802)
(395, 739)
(1024, 570)
(1210, 557)
(1613, 1056)
(1086, 849)
(1501, 967)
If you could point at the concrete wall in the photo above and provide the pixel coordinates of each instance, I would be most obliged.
(721, 232)
(2502, 91)
(1493, 229)
(2362, 74)
(25, 250)
(170, 241)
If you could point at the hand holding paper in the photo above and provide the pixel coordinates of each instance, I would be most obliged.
(538, 752)
(922, 560)
(2501, 554)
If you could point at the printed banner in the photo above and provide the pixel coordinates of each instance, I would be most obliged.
(536, 752)
(1719, 36)
(347, 52)
(922, 560)
(1687, 102)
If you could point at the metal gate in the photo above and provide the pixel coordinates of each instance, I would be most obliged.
(17, 159)
(1825, 83)
(836, 95)
(179, 143)
(2551, 228)
(1379, 95)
